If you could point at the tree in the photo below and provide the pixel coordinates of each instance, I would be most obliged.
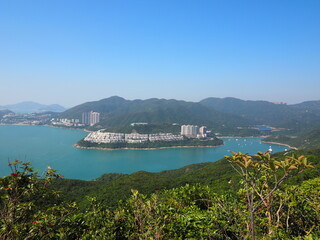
(262, 175)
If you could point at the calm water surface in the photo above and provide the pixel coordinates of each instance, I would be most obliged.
(43, 146)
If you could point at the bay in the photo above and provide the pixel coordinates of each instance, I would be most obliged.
(46, 146)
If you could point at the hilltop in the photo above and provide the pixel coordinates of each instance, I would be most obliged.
(227, 116)
(116, 111)
(294, 117)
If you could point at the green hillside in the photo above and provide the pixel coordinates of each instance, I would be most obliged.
(200, 201)
(116, 111)
(294, 117)
(222, 115)
(305, 140)
(147, 129)
(219, 175)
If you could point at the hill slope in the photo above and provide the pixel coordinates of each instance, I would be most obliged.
(308, 140)
(294, 117)
(116, 111)
(111, 188)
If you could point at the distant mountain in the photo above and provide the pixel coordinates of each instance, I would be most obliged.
(117, 111)
(308, 105)
(218, 113)
(306, 140)
(29, 107)
(295, 117)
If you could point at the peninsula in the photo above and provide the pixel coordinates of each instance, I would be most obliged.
(190, 136)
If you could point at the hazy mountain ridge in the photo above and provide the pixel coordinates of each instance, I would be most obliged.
(29, 107)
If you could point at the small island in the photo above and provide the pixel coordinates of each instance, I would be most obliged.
(190, 136)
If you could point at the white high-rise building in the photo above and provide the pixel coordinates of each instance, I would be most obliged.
(90, 118)
(189, 130)
(94, 118)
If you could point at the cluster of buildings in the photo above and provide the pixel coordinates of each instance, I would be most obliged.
(26, 118)
(109, 137)
(66, 122)
(189, 131)
(193, 131)
(90, 118)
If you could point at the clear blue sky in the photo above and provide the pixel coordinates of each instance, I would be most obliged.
(70, 52)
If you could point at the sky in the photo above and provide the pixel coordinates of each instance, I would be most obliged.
(70, 52)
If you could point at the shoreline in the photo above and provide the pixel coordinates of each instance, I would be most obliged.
(242, 137)
(114, 149)
(46, 125)
(111, 149)
(283, 144)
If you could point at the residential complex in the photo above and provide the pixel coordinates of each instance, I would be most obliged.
(90, 118)
(109, 137)
(189, 131)
(66, 122)
(193, 131)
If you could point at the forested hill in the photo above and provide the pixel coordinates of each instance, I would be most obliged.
(297, 117)
(110, 188)
(222, 114)
(306, 140)
(117, 111)
(200, 201)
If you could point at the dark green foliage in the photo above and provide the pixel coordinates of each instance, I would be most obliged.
(309, 140)
(219, 175)
(147, 129)
(236, 132)
(192, 211)
(77, 190)
(116, 111)
(295, 117)
(220, 115)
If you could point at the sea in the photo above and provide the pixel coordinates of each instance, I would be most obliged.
(45, 146)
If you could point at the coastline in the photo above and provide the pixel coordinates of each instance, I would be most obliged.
(242, 137)
(113, 149)
(45, 125)
(283, 144)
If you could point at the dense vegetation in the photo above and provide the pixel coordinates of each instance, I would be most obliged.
(156, 144)
(308, 140)
(296, 117)
(116, 111)
(30, 209)
(222, 115)
(147, 129)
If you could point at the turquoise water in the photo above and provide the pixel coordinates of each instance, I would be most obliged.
(43, 146)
